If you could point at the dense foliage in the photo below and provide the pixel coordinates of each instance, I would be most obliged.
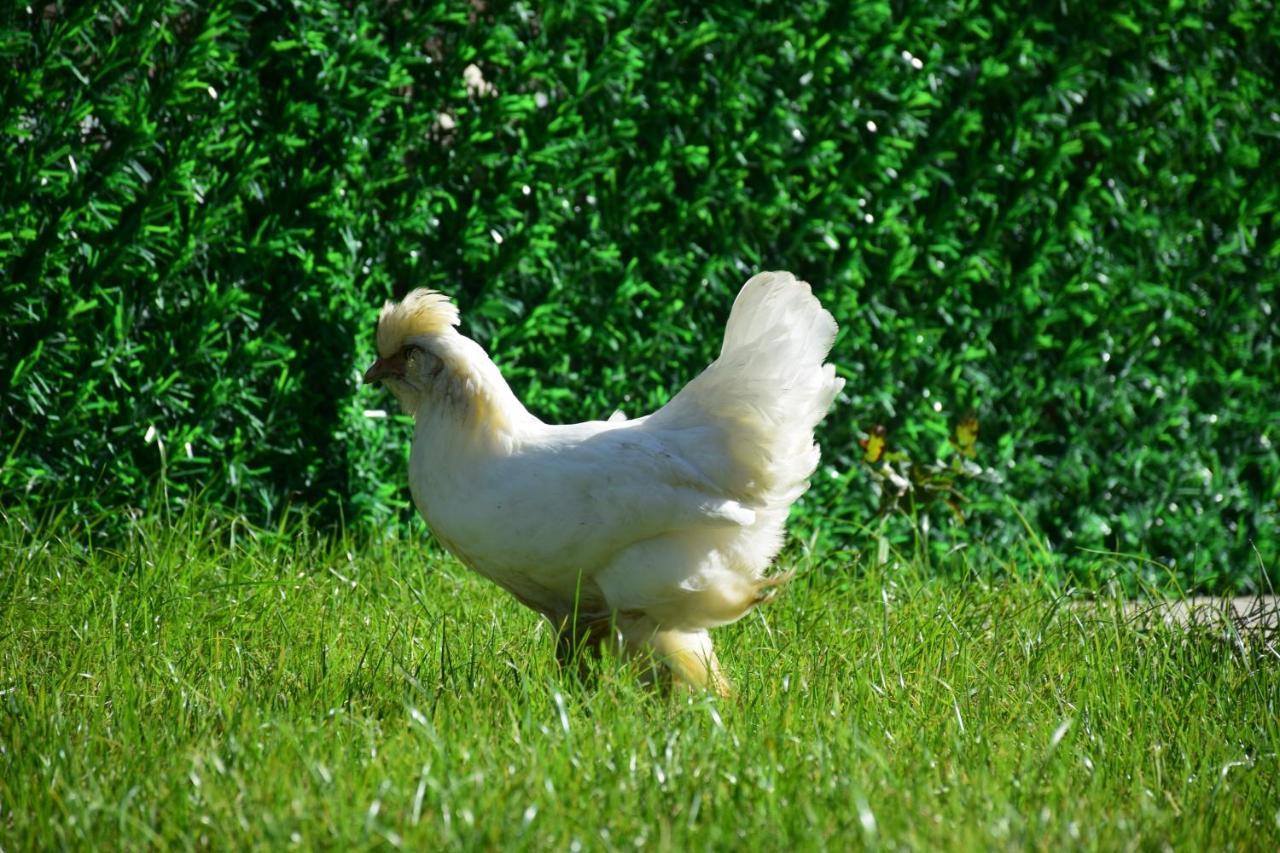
(1061, 218)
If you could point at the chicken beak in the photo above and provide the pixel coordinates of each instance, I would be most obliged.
(385, 368)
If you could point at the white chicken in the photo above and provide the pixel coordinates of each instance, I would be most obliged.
(656, 528)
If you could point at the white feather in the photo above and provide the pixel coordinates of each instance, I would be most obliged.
(666, 523)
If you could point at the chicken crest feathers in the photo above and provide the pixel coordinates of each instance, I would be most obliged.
(422, 312)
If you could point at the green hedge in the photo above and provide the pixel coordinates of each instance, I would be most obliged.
(1060, 217)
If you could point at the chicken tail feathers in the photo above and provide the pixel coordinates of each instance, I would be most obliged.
(775, 312)
(761, 399)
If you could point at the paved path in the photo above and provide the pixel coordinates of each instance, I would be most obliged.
(1259, 614)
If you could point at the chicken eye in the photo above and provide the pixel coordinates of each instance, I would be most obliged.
(417, 359)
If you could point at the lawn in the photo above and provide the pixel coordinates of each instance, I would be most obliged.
(197, 683)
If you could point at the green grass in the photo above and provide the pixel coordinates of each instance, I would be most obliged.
(197, 683)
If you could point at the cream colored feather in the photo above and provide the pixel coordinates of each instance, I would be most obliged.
(659, 527)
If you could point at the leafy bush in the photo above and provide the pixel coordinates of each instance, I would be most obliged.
(1061, 219)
